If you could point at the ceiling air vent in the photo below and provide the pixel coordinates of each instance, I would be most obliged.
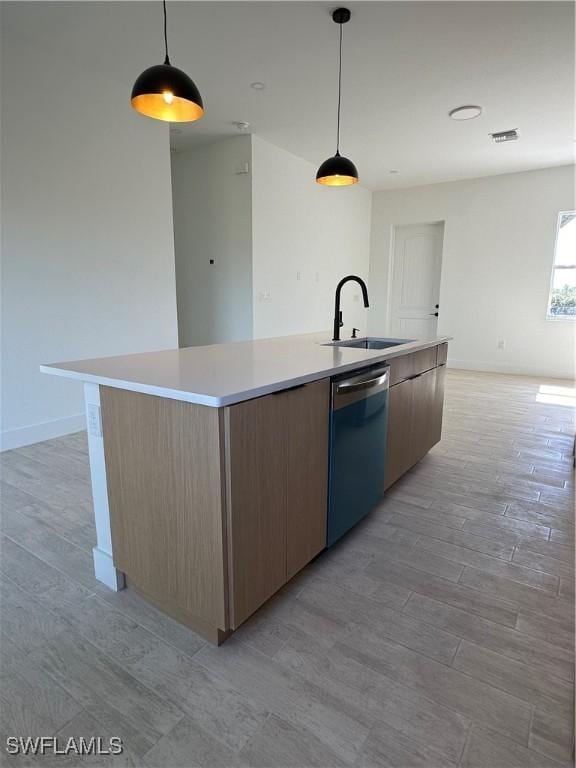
(501, 136)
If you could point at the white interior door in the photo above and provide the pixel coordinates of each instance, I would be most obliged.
(415, 290)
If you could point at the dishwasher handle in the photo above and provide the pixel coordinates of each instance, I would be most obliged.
(378, 382)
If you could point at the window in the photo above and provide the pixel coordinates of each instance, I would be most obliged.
(562, 302)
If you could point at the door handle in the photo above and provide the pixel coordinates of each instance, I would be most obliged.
(433, 314)
(288, 389)
(360, 385)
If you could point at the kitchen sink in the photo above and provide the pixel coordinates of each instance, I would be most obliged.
(368, 342)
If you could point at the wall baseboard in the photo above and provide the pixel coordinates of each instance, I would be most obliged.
(105, 571)
(46, 430)
(515, 370)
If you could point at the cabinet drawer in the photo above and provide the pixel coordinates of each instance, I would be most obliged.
(401, 368)
(407, 366)
(424, 360)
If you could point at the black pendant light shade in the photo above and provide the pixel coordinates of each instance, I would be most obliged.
(338, 171)
(167, 93)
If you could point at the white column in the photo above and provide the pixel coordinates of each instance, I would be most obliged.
(104, 569)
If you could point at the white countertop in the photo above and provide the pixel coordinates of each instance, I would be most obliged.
(222, 374)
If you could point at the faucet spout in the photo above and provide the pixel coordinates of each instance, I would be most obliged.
(337, 312)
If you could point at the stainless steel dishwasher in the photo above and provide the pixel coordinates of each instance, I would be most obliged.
(358, 422)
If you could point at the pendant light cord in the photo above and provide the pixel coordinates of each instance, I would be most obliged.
(339, 93)
(167, 58)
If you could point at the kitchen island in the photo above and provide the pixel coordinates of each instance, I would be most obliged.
(209, 464)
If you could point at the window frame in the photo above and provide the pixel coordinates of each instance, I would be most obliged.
(558, 318)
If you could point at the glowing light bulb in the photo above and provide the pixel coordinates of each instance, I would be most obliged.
(168, 97)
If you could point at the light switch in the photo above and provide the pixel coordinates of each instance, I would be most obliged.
(94, 420)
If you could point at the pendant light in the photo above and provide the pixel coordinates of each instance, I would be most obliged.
(167, 93)
(338, 171)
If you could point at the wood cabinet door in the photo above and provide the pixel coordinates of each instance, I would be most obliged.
(398, 443)
(307, 473)
(401, 368)
(438, 408)
(256, 459)
(423, 425)
(277, 490)
(415, 408)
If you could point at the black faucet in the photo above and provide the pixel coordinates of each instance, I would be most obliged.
(337, 313)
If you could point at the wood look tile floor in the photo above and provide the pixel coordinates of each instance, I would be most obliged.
(439, 633)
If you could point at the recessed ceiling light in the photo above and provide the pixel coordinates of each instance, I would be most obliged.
(258, 86)
(241, 126)
(467, 112)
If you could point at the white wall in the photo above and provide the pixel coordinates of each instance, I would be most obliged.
(305, 238)
(87, 246)
(498, 250)
(213, 220)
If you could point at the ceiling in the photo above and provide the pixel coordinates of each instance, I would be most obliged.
(406, 65)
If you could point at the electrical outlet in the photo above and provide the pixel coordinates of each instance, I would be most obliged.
(94, 420)
(298, 275)
(501, 343)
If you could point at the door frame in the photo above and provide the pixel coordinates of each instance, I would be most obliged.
(391, 261)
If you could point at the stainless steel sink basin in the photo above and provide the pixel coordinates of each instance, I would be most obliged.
(368, 342)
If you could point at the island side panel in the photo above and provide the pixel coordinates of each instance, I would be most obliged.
(163, 462)
(104, 569)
